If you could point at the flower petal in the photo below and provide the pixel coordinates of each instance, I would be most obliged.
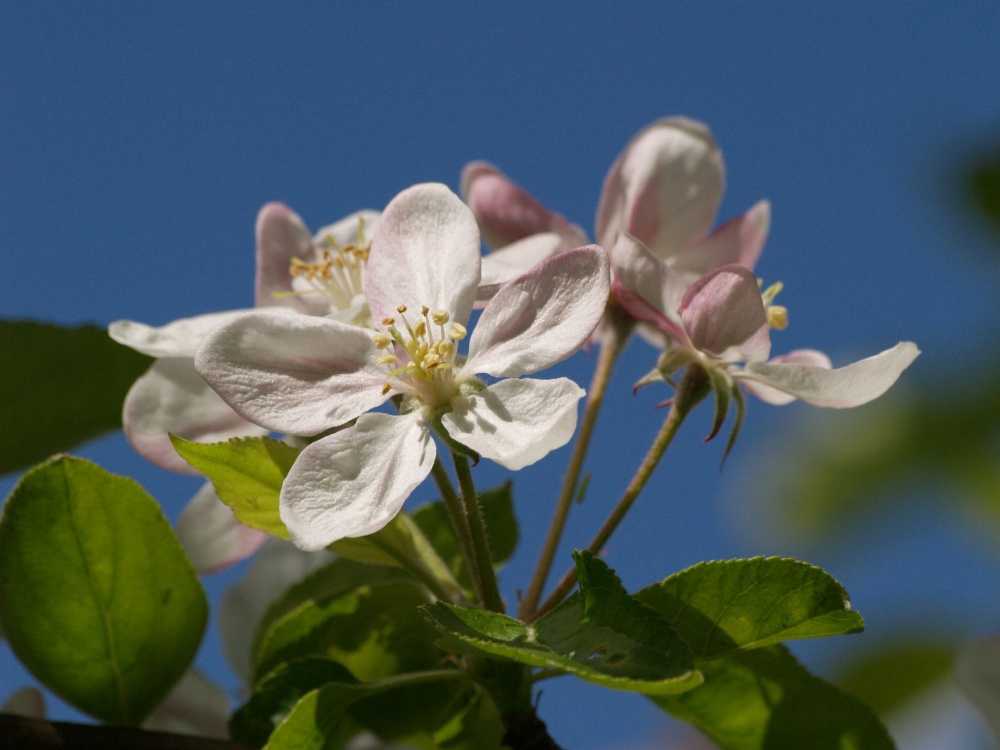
(519, 257)
(195, 706)
(543, 316)
(172, 398)
(770, 395)
(516, 422)
(665, 187)
(354, 482)
(177, 339)
(842, 388)
(506, 213)
(292, 373)
(724, 315)
(425, 252)
(739, 240)
(210, 534)
(276, 567)
(281, 236)
(646, 286)
(28, 702)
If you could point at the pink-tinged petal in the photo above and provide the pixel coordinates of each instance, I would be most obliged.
(769, 395)
(195, 706)
(28, 702)
(841, 388)
(507, 264)
(977, 672)
(646, 286)
(425, 252)
(724, 316)
(172, 398)
(665, 187)
(291, 373)
(516, 422)
(506, 213)
(277, 566)
(177, 339)
(543, 316)
(281, 236)
(355, 481)
(739, 240)
(211, 536)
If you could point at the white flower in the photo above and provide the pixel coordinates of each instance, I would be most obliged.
(305, 375)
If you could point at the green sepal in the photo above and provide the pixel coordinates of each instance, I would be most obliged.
(97, 598)
(722, 386)
(764, 699)
(723, 607)
(599, 634)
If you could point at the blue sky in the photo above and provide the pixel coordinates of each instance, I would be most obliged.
(138, 142)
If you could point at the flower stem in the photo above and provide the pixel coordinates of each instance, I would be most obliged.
(617, 329)
(690, 391)
(456, 514)
(482, 568)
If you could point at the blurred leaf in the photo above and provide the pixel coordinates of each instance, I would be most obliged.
(721, 607)
(59, 387)
(897, 672)
(983, 181)
(374, 630)
(247, 474)
(600, 634)
(765, 700)
(96, 596)
(441, 709)
(498, 512)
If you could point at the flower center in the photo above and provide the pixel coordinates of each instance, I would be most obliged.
(777, 315)
(420, 359)
(338, 273)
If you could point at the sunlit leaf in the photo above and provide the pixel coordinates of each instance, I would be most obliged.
(765, 700)
(721, 607)
(96, 596)
(600, 634)
(59, 386)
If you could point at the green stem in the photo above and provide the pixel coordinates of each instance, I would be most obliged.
(690, 391)
(486, 580)
(617, 329)
(456, 513)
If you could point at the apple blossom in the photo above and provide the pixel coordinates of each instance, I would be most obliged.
(306, 375)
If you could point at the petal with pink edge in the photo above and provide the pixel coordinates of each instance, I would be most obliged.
(770, 395)
(543, 316)
(646, 286)
(425, 253)
(180, 338)
(172, 398)
(519, 257)
(281, 236)
(355, 481)
(739, 240)
(516, 422)
(665, 187)
(841, 388)
(724, 316)
(210, 534)
(291, 373)
(507, 213)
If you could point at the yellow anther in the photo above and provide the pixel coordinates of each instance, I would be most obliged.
(386, 388)
(440, 317)
(387, 359)
(388, 321)
(401, 309)
(458, 331)
(777, 317)
(445, 348)
(420, 329)
(424, 309)
(382, 341)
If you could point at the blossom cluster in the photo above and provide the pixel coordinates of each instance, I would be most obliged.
(361, 342)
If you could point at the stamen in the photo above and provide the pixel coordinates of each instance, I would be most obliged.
(458, 331)
(777, 317)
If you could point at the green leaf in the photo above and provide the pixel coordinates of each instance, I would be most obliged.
(374, 630)
(59, 387)
(600, 634)
(765, 700)
(722, 607)
(498, 512)
(247, 474)
(441, 709)
(97, 598)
